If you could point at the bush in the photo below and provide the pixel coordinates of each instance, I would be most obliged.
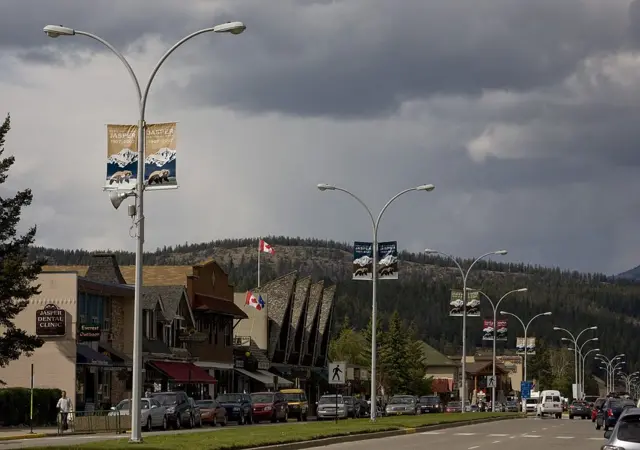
(15, 405)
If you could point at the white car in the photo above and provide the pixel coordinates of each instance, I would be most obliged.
(550, 403)
(152, 415)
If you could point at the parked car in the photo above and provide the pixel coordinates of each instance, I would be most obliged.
(239, 407)
(607, 416)
(331, 406)
(212, 412)
(626, 434)
(152, 414)
(580, 409)
(196, 412)
(512, 407)
(353, 410)
(403, 405)
(269, 406)
(596, 406)
(365, 407)
(298, 404)
(430, 404)
(179, 412)
(453, 407)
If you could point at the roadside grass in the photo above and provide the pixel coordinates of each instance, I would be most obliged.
(248, 437)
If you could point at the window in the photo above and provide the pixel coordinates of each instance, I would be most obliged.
(227, 334)
(629, 429)
(555, 399)
(215, 332)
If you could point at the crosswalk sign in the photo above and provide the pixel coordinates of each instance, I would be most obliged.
(491, 381)
(337, 371)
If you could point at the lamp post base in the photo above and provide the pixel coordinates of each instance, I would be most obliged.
(135, 441)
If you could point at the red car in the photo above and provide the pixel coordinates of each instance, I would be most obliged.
(270, 406)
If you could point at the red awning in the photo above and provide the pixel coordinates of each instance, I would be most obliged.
(183, 372)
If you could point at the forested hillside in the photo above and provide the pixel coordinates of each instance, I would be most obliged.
(421, 295)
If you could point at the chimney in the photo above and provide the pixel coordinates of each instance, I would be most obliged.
(104, 269)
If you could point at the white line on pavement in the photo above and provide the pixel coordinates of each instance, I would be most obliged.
(564, 437)
(596, 439)
(465, 434)
(531, 435)
(498, 435)
(433, 432)
(475, 446)
(495, 442)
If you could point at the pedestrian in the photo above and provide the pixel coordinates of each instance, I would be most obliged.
(64, 406)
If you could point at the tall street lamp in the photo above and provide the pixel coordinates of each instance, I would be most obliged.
(576, 347)
(495, 306)
(117, 198)
(584, 362)
(581, 366)
(465, 276)
(526, 329)
(375, 222)
(608, 366)
(628, 379)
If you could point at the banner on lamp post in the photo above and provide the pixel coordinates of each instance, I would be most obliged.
(530, 344)
(456, 303)
(388, 260)
(362, 261)
(160, 157)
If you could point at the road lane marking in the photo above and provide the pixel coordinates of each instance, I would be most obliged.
(531, 435)
(475, 446)
(498, 435)
(597, 439)
(544, 429)
(564, 437)
(433, 432)
(465, 434)
(495, 442)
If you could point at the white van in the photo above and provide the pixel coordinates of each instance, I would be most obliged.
(550, 402)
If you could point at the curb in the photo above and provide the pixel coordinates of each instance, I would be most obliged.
(301, 445)
(19, 437)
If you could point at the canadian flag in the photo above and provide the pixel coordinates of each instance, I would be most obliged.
(266, 248)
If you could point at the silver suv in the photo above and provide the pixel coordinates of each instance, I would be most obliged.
(626, 434)
(331, 406)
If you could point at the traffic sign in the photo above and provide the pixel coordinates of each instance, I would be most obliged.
(491, 381)
(525, 389)
(337, 371)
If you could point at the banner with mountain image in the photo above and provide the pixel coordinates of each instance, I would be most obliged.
(362, 261)
(388, 260)
(160, 160)
(500, 329)
(456, 304)
(531, 346)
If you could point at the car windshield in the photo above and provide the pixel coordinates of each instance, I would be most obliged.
(329, 400)
(262, 398)
(294, 397)
(401, 400)
(125, 405)
(166, 399)
(454, 405)
(229, 398)
(556, 399)
(429, 400)
(629, 429)
(578, 404)
(207, 404)
(619, 403)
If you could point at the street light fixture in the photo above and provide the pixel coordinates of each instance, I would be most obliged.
(526, 328)
(375, 222)
(465, 276)
(117, 198)
(610, 366)
(494, 307)
(577, 348)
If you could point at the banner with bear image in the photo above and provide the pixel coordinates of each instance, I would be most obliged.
(160, 160)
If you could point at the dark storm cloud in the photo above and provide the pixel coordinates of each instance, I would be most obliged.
(363, 58)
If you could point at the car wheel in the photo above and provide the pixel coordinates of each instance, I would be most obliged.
(149, 426)
(192, 422)
(606, 428)
(215, 421)
(250, 418)
(285, 418)
(165, 424)
(224, 422)
(178, 423)
(241, 419)
(304, 417)
(274, 418)
(570, 417)
(598, 426)
(199, 422)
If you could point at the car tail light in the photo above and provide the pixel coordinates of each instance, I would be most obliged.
(609, 412)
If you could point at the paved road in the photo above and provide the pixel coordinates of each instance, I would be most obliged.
(75, 440)
(521, 434)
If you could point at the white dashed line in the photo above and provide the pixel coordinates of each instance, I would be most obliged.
(564, 437)
(465, 434)
(531, 435)
(596, 439)
(475, 446)
(498, 435)
(433, 432)
(495, 442)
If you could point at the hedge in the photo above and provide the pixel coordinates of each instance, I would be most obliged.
(15, 405)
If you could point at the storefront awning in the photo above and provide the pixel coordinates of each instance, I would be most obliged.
(118, 357)
(214, 365)
(183, 372)
(265, 377)
(87, 355)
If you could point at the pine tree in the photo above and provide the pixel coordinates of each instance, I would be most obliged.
(539, 366)
(394, 357)
(366, 352)
(16, 272)
(418, 384)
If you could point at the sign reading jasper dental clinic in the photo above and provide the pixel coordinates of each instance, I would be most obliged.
(51, 321)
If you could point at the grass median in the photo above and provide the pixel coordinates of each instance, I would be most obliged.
(250, 436)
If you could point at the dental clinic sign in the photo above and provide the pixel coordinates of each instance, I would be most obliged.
(51, 321)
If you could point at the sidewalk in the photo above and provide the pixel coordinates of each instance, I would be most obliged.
(13, 433)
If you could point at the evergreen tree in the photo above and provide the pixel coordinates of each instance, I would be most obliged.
(16, 273)
(539, 366)
(366, 352)
(418, 384)
(395, 358)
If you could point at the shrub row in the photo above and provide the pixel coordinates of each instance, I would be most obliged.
(15, 405)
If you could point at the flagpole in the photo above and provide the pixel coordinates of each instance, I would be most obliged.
(259, 240)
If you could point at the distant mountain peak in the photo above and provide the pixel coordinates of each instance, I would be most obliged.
(123, 158)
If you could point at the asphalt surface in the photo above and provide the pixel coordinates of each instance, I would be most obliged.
(520, 434)
(80, 439)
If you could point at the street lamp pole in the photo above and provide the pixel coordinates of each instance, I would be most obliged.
(375, 222)
(526, 329)
(576, 347)
(465, 275)
(55, 31)
(608, 366)
(584, 362)
(581, 367)
(495, 306)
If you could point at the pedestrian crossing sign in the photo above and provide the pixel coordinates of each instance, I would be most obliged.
(491, 381)
(337, 372)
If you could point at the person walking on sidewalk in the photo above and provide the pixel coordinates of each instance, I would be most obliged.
(64, 406)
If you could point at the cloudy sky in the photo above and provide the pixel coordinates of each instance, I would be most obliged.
(524, 114)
